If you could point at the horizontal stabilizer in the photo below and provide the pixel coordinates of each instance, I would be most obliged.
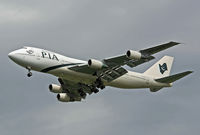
(173, 78)
(155, 89)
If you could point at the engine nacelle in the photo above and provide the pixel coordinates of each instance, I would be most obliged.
(95, 64)
(133, 55)
(55, 88)
(63, 97)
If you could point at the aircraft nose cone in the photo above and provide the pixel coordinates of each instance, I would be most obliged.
(17, 57)
(11, 55)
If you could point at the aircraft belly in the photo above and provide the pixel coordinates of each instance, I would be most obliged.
(70, 75)
(126, 81)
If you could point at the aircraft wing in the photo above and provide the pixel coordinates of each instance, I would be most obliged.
(108, 74)
(147, 56)
(158, 48)
(124, 60)
(74, 89)
(114, 65)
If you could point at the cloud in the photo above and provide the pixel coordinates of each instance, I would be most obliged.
(14, 14)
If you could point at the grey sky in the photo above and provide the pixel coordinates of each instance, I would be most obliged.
(96, 29)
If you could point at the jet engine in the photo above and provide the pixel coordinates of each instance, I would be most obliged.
(55, 88)
(63, 97)
(95, 64)
(133, 55)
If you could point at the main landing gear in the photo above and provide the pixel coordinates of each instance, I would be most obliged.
(29, 72)
(95, 90)
(82, 93)
(99, 83)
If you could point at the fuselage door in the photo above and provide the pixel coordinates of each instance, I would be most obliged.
(38, 55)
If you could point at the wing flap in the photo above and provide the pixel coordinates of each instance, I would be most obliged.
(83, 69)
(113, 73)
(134, 63)
(108, 74)
(117, 60)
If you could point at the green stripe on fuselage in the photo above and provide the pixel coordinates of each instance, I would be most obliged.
(58, 66)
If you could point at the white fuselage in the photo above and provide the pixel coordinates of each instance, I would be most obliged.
(52, 63)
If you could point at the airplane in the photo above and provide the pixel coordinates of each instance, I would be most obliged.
(80, 78)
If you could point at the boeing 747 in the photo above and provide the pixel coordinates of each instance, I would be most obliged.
(78, 78)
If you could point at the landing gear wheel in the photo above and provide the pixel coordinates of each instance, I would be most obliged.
(29, 71)
(29, 74)
(72, 99)
(102, 87)
(95, 90)
(82, 94)
(99, 83)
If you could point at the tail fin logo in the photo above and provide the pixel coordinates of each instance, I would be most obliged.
(163, 68)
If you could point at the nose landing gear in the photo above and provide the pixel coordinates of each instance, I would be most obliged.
(29, 72)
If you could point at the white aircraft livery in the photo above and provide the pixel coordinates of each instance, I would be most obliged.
(78, 78)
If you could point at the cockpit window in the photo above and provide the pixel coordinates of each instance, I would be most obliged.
(30, 51)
